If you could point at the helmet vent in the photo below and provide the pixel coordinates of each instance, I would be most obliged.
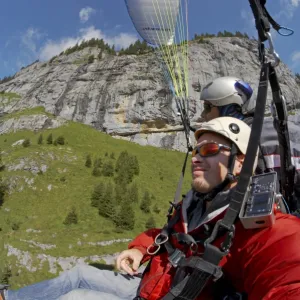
(234, 128)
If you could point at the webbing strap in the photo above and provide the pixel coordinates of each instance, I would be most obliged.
(287, 170)
(192, 285)
(247, 169)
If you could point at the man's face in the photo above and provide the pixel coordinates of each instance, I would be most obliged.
(210, 112)
(208, 172)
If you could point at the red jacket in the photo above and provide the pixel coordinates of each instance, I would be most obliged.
(264, 263)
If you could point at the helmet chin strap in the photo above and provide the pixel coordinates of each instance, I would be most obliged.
(229, 176)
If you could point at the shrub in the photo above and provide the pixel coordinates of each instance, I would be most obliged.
(60, 140)
(88, 161)
(91, 59)
(26, 143)
(50, 139)
(71, 218)
(40, 139)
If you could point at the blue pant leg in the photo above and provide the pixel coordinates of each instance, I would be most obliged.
(81, 276)
(80, 294)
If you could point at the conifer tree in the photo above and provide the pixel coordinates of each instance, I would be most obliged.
(50, 139)
(60, 140)
(88, 161)
(96, 172)
(2, 165)
(98, 195)
(125, 219)
(98, 162)
(108, 169)
(3, 189)
(133, 193)
(146, 203)
(40, 139)
(71, 218)
(121, 193)
(107, 204)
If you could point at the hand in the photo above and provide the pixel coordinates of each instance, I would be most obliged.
(129, 261)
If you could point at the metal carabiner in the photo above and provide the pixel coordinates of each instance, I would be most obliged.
(276, 57)
(282, 30)
(160, 239)
(153, 252)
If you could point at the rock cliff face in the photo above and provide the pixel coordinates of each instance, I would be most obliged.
(126, 96)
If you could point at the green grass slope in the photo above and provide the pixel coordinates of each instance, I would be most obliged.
(42, 201)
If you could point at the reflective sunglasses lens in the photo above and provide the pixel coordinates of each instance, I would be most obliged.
(209, 149)
(195, 152)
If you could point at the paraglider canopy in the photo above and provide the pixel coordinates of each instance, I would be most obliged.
(154, 20)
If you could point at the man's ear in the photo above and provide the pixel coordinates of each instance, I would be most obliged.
(239, 163)
(240, 158)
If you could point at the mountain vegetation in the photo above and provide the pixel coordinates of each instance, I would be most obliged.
(50, 194)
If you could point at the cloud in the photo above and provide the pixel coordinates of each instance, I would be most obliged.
(85, 14)
(29, 39)
(52, 48)
(288, 8)
(249, 21)
(295, 58)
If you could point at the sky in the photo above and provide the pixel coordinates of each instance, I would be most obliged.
(40, 29)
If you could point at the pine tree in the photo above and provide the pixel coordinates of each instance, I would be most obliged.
(150, 223)
(98, 163)
(96, 172)
(108, 169)
(40, 139)
(71, 218)
(133, 193)
(146, 202)
(50, 139)
(109, 202)
(60, 140)
(121, 193)
(106, 206)
(98, 195)
(2, 165)
(3, 189)
(88, 161)
(125, 219)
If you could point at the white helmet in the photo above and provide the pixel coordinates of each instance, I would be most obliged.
(227, 90)
(237, 131)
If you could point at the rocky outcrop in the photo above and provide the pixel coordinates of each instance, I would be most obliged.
(127, 96)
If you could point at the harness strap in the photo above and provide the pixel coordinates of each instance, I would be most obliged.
(287, 169)
(192, 284)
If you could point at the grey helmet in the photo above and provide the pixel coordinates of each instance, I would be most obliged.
(228, 90)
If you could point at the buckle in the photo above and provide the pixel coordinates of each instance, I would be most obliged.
(176, 257)
(228, 239)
